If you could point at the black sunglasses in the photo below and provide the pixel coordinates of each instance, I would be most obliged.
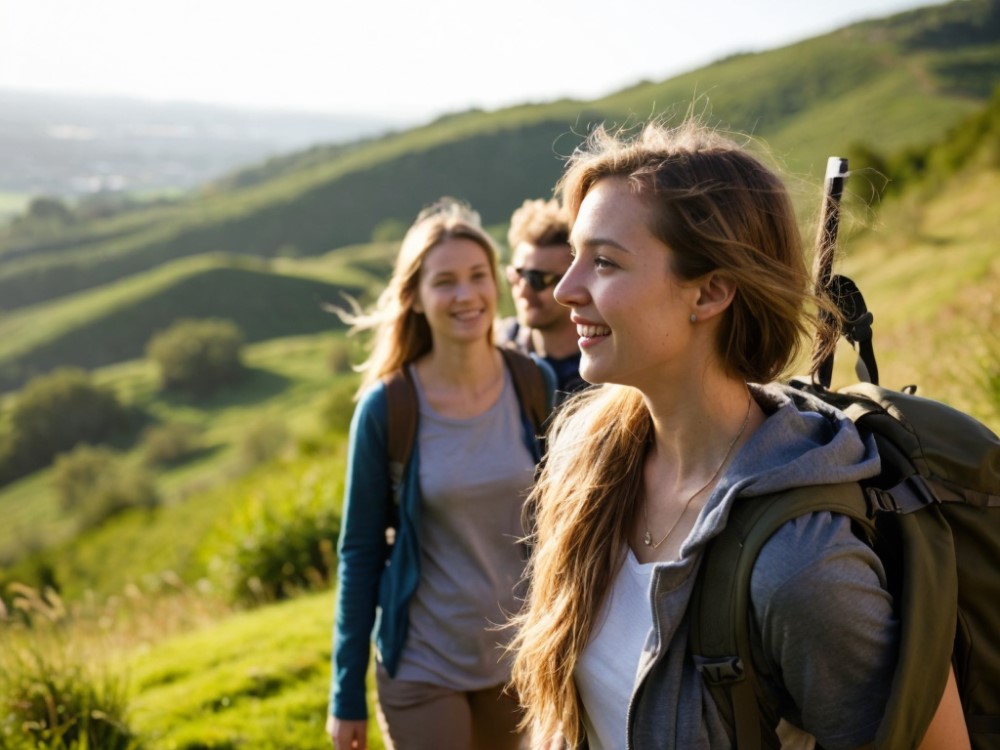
(537, 280)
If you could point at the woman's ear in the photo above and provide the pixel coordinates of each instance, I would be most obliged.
(715, 292)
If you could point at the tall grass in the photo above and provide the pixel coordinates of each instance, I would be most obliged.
(54, 696)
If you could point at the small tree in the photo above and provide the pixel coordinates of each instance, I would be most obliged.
(45, 215)
(96, 483)
(169, 444)
(57, 411)
(198, 355)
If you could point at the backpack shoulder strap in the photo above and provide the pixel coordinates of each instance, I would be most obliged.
(401, 402)
(720, 607)
(529, 383)
(401, 428)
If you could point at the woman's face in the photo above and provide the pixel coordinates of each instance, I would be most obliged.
(457, 292)
(631, 311)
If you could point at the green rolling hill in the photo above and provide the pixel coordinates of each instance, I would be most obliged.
(114, 323)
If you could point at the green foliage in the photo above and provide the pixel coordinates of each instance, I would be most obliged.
(198, 356)
(54, 413)
(44, 217)
(96, 483)
(78, 472)
(285, 384)
(281, 540)
(932, 163)
(262, 441)
(950, 25)
(50, 698)
(170, 444)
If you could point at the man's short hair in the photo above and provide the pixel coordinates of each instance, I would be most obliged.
(539, 223)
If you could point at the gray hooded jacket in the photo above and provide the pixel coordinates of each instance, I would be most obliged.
(825, 635)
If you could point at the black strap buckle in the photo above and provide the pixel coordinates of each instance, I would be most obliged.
(721, 671)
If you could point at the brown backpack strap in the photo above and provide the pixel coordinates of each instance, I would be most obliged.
(401, 403)
(529, 382)
(401, 428)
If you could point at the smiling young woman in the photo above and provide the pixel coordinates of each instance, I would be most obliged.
(689, 292)
(431, 598)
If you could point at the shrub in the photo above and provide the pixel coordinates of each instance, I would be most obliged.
(57, 411)
(169, 444)
(198, 356)
(44, 216)
(263, 441)
(282, 540)
(49, 698)
(97, 483)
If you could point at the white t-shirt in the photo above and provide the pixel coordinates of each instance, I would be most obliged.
(606, 671)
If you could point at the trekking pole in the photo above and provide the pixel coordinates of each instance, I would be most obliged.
(826, 247)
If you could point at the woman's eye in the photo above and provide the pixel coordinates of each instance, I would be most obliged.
(602, 262)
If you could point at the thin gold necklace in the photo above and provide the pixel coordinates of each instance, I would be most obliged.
(647, 539)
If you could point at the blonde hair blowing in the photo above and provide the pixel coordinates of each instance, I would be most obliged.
(717, 208)
(401, 335)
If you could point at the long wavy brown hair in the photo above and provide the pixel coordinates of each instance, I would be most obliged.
(715, 206)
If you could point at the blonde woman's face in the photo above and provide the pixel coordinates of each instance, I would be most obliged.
(631, 311)
(457, 292)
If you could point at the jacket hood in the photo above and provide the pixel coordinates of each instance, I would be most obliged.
(804, 441)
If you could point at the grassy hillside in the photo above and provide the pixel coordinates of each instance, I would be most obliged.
(931, 276)
(257, 680)
(114, 322)
(283, 398)
(896, 82)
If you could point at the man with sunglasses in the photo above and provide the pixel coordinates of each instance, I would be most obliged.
(540, 255)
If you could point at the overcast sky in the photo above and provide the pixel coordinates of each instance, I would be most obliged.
(406, 59)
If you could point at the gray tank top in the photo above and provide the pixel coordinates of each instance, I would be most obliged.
(474, 477)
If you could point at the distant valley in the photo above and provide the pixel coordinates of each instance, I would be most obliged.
(69, 146)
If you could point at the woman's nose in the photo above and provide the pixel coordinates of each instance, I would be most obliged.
(569, 291)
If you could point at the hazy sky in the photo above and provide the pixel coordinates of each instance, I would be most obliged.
(407, 59)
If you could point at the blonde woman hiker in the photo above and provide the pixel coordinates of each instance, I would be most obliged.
(432, 591)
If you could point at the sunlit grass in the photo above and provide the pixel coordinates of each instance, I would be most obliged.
(930, 274)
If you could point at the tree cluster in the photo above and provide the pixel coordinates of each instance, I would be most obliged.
(54, 413)
(198, 356)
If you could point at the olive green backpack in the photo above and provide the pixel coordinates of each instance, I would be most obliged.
(933, 517)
